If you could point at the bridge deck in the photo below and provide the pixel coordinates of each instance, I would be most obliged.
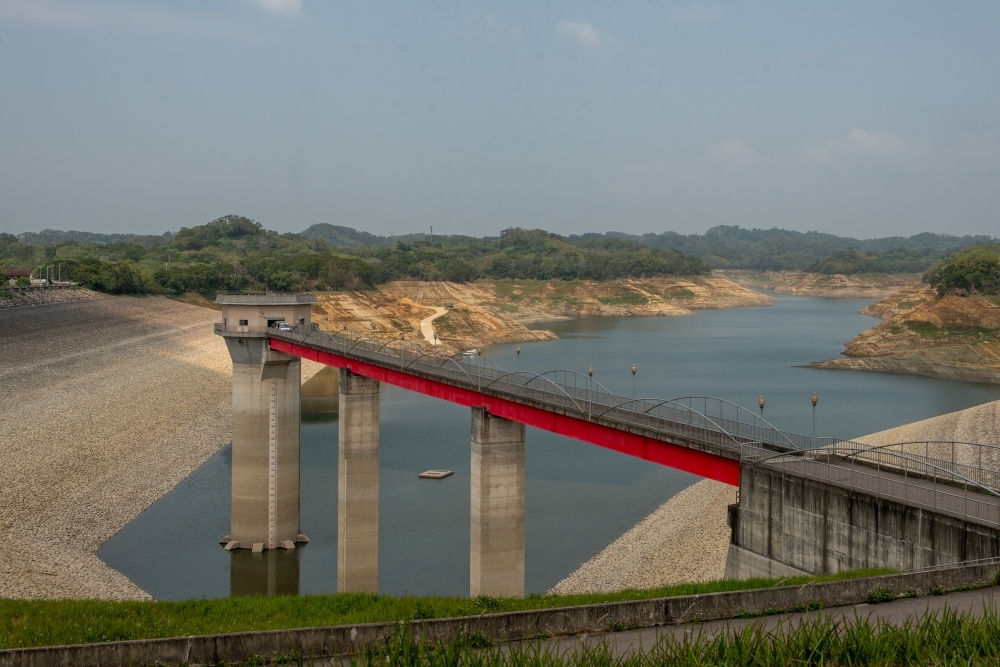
(671, 433)
(967, 503)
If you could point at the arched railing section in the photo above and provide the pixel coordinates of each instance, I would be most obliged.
(960, 477)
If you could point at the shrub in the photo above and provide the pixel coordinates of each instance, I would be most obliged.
(974, 270)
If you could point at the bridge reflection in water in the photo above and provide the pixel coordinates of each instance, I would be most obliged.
(270, 572)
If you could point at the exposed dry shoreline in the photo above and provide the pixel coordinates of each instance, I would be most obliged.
(800, 283)
(487, 312)
(924, 334)
(113, 401)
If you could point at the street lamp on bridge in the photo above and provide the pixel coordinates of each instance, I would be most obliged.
(590, 387)
(815, 400)
(760, 402)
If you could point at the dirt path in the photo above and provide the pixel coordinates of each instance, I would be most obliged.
(427, 326)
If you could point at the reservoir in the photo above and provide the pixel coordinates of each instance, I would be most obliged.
(579, 498)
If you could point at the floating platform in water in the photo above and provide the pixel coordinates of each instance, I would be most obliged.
(435, 474)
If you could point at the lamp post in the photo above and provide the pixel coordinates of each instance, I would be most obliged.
(590, 388)
(633, 383)
(815, 400)
(760, 402)
(518, 350)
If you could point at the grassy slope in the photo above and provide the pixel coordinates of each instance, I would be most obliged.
(49, 623)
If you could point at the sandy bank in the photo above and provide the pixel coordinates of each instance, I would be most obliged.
(110, 404)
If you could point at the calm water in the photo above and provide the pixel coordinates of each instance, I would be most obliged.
(579, 497)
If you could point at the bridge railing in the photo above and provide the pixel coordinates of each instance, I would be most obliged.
(947, 476)
(706, 419)
(890, 471)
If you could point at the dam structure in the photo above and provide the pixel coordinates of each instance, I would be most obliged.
(806, 505)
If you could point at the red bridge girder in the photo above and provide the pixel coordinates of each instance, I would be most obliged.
(665, 453)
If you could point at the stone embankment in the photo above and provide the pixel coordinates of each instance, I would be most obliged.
(43, 296)
(108, 404)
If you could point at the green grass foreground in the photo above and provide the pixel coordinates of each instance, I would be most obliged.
(58, 622)
(941, 640)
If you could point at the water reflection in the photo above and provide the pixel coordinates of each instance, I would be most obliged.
(320, 397)
(271, 572)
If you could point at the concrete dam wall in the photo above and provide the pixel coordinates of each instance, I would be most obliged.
(785, 525)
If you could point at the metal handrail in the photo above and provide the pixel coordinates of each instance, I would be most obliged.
(747, 435)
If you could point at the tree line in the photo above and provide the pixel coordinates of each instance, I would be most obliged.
(236, 254)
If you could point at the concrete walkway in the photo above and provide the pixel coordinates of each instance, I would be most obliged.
(426, 324)
(896, 613)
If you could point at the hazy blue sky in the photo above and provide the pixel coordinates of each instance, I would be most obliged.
(865, 119)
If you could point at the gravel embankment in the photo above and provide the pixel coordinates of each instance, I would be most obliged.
(977, 424)
(107, 405)
(686, 539)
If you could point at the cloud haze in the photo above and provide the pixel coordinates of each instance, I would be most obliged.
(584, 33)
(857, 142)
(149, 115)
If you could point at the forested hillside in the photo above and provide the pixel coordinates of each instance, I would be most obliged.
(235, 254)
(732, 247)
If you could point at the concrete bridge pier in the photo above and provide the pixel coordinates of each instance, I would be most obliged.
(266, 384)
(497, 509)
(357, 487)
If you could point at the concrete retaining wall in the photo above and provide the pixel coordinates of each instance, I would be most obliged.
(822, 528)
(343, 640)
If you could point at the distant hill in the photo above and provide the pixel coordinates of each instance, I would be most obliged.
(53, 236)
(346, 237)
(733, 247)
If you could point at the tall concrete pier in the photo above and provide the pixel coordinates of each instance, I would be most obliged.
(266, 384)
(497, 536)
(357, 488)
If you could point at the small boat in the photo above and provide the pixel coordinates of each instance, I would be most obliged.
(470, 353)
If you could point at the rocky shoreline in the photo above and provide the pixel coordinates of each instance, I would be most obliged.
(951, 337)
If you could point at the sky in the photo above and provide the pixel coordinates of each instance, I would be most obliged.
(854, 118)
